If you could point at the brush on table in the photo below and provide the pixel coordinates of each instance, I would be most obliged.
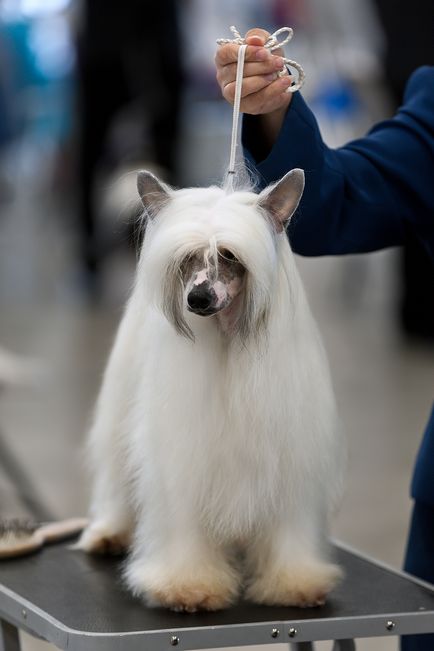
(19, 536)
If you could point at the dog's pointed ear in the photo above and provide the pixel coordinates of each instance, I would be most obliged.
(153, 193)
(281, 200)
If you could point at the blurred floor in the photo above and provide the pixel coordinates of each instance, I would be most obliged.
(384, 386)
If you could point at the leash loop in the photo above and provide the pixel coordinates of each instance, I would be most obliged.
(273, 43)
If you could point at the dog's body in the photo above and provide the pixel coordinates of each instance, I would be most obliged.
(216, 429)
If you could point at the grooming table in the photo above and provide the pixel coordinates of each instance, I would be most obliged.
(78, 603)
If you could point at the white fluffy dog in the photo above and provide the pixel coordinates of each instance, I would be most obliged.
(215, 448)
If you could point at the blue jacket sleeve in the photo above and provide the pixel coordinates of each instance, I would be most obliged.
(368, 194)
(422, 486)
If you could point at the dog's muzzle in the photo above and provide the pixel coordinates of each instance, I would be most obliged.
(201, 300)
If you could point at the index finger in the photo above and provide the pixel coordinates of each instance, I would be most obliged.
(228, 53)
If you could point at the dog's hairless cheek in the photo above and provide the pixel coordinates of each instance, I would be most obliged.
(232, 275)
(220, 291)
(234, 285)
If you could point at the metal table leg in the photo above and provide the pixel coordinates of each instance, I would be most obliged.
(344, 645)
(9, 637)
(302, 646)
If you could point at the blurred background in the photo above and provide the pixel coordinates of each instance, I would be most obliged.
(92, 90)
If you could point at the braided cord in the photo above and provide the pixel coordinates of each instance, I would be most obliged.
(236, 111)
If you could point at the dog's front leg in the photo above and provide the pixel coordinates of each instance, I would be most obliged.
(289, 566)
(112, 520)
(112, 517)
(175, 565)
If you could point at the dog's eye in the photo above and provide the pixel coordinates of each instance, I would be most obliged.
(228, 255)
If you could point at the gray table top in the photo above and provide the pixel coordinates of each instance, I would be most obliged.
(79, 602)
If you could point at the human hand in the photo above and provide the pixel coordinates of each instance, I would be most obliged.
(263, 91)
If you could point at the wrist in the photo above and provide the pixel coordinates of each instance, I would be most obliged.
(272, 122)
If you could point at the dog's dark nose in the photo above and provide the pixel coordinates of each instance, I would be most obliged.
(199, 299)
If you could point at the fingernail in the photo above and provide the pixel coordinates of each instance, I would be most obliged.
(278, 63)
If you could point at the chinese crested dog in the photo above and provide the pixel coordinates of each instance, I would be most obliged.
(215, 448)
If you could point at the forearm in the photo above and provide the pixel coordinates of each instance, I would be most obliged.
(360, 197)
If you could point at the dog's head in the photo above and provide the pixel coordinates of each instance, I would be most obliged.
(209, 253)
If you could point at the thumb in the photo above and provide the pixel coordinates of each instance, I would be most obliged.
(256, 36)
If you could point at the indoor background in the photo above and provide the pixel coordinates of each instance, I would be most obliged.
(91, 91)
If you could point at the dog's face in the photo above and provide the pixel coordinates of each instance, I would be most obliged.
(209, 253)
(212, 280)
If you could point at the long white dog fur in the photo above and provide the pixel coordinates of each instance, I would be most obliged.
(215, 450)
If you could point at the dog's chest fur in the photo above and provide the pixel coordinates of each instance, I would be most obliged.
(207, 412)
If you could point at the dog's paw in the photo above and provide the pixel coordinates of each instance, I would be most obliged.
(304, 585)
(180, 590)
(101, 538)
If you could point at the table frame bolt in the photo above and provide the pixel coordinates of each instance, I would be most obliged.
(292, 632)
(275, 632)
(174, 640)
(390, 625)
